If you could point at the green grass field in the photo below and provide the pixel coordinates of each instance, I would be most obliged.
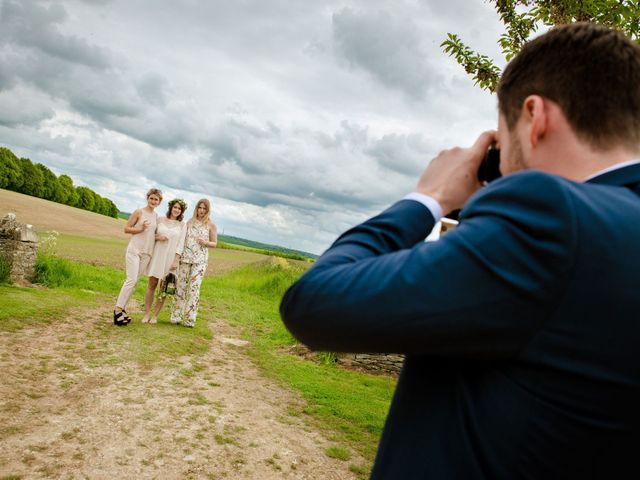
(349, 406)
(105, 251)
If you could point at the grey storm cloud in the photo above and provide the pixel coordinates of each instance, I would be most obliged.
(350, 136)
(101, 98)
(34, 25)
(386, 46)
(152, 88)
(405, 154)
(35, 144)
(7, 79)
(87, 76)
(245, 144)
(97, 2)
(322, 171)
(152, 129)
(22, 106)
(297, 119)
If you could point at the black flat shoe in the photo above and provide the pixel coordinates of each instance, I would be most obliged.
(119, 318)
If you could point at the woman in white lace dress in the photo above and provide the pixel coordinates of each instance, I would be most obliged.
(166, 254)
(202, 235)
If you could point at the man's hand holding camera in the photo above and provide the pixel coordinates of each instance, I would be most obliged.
(452, 176)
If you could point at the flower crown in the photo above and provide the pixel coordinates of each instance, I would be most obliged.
(180, 202)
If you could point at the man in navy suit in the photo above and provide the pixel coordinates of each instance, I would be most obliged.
(521, 327)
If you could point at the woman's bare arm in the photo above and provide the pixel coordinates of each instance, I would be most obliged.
(213, 235)
(160, 237)
(212, 242)
(133, 219)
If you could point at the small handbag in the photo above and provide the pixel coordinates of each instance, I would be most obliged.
(167, 285)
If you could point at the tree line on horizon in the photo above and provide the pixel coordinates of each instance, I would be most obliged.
(23, 176)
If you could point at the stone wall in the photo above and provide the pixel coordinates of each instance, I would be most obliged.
(19, 247)
(388, 364)
(384, 364)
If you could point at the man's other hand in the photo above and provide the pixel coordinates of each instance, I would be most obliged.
(452, 176)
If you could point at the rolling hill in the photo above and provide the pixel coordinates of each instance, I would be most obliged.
(93, 238)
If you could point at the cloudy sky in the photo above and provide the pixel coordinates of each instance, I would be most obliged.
(298, 119)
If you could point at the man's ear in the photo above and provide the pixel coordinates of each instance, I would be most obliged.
(536, 116)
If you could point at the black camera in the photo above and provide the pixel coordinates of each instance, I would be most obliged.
(490, 167)
(489, 170)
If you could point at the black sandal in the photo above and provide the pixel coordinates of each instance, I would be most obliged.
(127, 318)
(119, 318)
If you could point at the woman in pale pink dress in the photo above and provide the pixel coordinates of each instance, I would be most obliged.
(142, 226)
(166, 255)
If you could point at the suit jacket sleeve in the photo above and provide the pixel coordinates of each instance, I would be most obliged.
(483, 290)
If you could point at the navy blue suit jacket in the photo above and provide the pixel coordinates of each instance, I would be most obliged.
(521, 328)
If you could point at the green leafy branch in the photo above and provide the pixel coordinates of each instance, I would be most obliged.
(522, 18)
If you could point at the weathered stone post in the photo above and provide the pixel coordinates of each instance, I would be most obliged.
(19, 247)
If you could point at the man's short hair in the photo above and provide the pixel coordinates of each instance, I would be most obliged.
(591, 72)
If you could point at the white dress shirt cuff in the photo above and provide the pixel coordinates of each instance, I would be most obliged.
(429, 202)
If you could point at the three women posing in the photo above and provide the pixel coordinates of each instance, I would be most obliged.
(159, 246)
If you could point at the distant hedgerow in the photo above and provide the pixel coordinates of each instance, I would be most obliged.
(23, 176)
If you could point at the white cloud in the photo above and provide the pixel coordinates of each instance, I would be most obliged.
(23, 106)
(297, 119)
(388, 46)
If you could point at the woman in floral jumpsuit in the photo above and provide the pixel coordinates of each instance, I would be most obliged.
(201, 235)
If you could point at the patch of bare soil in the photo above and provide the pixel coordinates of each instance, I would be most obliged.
(70, 409)
(46, 215)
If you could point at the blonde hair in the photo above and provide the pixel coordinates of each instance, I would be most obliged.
(155, 191)
(194, 217)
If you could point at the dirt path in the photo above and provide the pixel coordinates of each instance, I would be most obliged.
(69, 409)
